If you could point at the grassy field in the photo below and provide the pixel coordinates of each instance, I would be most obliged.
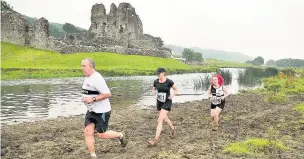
(225, 64)
(24, 57)
(19, 62)
(278, 89)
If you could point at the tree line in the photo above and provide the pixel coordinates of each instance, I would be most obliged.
(258, 61)
(286, 63)
(191, 55)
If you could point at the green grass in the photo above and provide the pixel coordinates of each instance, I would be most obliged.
(255, 146)
(300, 108)
(277, 89)
(14, 56)
(226, 64)
(25, 62)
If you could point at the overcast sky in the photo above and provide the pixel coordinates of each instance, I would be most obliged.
(268, 28)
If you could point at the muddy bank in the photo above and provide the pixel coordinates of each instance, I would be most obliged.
(245, 116)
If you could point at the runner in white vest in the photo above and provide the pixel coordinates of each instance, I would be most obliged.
(217, 94)
(96, 96)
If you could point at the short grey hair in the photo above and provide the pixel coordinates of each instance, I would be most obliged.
(91, 62)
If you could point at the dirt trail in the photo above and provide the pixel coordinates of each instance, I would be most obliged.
(245, 116)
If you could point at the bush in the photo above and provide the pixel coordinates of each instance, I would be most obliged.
(280, 97)
(278, 88)
(289, 71)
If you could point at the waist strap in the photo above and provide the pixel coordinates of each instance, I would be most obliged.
(89, 92)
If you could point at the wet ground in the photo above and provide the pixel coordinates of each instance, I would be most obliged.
(245, 116)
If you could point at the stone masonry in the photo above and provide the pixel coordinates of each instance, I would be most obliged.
(120, 31)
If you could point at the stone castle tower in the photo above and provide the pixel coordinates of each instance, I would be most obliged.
(121, 21)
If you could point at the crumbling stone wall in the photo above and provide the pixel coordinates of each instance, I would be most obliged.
(145, 44)
(158, 42)
(17, 30)
(117, 49)
(123, 25)
(119, 22)
(14, 28)
(120, 31)
(40, 37)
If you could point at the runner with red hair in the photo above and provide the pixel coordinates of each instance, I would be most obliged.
(217, 94)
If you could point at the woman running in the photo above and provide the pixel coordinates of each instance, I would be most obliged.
(162, 87)
(217, 94)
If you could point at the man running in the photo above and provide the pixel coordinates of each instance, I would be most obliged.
(96, 98)
(164, 102)
(217, 94)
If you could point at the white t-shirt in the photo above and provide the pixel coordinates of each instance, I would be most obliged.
(96, 82)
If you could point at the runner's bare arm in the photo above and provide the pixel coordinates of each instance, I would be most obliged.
(103, 96)
(99, 97)
(153, 90)
(226, 92)
(175, 89)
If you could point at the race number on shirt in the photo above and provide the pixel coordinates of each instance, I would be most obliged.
(161, 97)
(216, 100)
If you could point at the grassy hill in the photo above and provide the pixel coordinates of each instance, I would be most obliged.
(25, 62)
(214, 54)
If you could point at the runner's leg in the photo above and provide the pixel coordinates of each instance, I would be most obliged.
(89, 137)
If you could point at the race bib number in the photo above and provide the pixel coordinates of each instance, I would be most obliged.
(216, 100)
(161, 97)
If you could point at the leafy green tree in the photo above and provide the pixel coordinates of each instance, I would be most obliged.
(248, 62)
(258, 61)
(197, 56)
(70, 28)
(6, 6)
(55, 32)
(270, 63)
(188, 54)
(290, 63)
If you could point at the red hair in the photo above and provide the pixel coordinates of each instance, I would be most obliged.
(219, 78)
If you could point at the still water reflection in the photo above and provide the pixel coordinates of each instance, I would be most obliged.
(30, 100)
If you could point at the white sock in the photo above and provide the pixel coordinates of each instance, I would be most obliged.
(93, 154)
(121, 136)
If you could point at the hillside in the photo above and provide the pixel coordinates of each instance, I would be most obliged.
(214, 54)
(14, 56)
(25, 62)
(56, 29)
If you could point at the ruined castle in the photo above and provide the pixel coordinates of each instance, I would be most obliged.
(120, 31)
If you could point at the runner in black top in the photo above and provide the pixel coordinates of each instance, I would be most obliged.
(161, 88)
(217, 94)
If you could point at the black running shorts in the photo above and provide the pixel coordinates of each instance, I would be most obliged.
(164, 105)
(101, 120)
(221, 105)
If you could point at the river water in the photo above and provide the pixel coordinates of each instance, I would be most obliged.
(31, 100)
